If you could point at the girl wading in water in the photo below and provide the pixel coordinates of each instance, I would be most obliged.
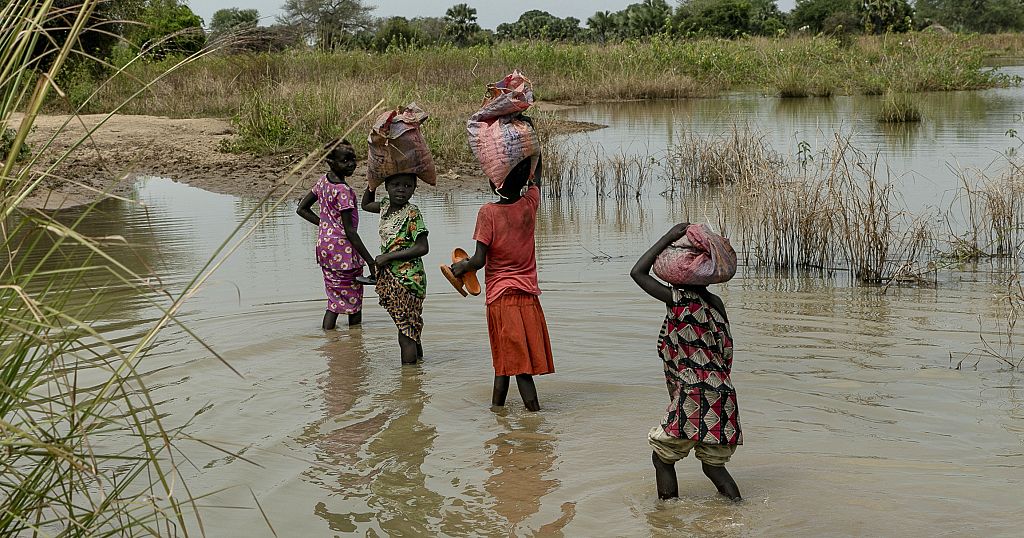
(505, 249)
(339, 249)
(695, 346)
(401, 279)
(506, 145)
(398, 157)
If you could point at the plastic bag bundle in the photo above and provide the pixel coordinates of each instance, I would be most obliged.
(499, 135)
(397, 146)
(699, 259)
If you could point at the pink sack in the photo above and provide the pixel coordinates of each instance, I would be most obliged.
(699, 259)
(499, 135)
(397, 146)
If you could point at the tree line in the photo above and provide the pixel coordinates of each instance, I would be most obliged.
(169, 27)
(351, 24)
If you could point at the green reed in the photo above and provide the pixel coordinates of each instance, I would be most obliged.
(899, 108)
(86, 450)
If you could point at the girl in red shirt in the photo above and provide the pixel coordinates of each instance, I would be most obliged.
(505, 249)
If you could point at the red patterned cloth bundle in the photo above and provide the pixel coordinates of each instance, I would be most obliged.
(499, 135)
(397, 146)
(699, 259)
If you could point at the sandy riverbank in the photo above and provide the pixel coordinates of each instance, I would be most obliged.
(186, 150)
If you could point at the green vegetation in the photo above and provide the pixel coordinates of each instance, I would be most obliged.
(899, 108)
(229, 20)
(295, 100)
(7, 140)
(729, 18)
(86, 450)
(167, 27)
(984, 16)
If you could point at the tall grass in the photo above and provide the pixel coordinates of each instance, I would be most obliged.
(290, 101)
(993, 210)
(86, 450)
(741, 155)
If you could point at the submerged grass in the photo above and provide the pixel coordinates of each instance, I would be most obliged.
(993, 209)
(291, 101)
(834, 211)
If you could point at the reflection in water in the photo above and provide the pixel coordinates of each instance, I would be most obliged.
(698, 517)
(347, 426)
(521, 458)
(374, 459)
(965, 129)
(404, 504)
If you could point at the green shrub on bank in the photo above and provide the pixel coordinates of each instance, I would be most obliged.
(7, 136)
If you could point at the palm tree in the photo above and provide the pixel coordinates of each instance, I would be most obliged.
(602, 24)
(461, 20)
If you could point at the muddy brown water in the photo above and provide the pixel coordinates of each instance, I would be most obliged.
(854, 422)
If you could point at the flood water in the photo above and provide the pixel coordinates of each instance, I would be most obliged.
(854, 421)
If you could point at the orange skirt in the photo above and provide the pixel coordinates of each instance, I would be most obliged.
(519, 335)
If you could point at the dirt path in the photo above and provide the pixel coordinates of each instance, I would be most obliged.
(186, 150)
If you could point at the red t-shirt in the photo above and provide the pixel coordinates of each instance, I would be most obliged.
(507, 230)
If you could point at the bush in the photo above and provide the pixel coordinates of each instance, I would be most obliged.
(7, 137)
(169, 28)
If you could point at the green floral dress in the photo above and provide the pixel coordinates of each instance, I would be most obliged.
(403, 286)
(398, 231)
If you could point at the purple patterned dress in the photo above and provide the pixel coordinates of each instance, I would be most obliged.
(334, 252)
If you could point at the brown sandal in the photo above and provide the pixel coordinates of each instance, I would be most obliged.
(455, 281)
(469, 279)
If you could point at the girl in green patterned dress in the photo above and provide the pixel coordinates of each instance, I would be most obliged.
(401, 278)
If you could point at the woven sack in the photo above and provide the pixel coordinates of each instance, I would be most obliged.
(397, 146)
(499, 135)
(699, 259)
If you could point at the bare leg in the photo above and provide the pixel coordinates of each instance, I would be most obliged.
(355, 319)
(500, 390)
(722, 480)
(408, 346)
(528, 391)
(330, 320)
(665, 476)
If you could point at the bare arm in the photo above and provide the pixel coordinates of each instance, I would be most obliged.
(641, 272)
(353, 236)
(418, 250)
(305, 209)
(473, 263)
(369, 202)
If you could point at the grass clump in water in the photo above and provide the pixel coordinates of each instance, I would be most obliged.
(898, 107)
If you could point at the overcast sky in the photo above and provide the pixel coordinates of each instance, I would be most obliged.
(490, 13)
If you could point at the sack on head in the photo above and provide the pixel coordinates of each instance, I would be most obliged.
(699, 259)
(499, 135)
(397, 146)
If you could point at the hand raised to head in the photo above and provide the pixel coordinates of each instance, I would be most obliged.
(677, 232)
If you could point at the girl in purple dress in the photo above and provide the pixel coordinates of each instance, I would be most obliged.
(339, 249)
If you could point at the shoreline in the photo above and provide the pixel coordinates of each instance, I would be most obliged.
(188, 151)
